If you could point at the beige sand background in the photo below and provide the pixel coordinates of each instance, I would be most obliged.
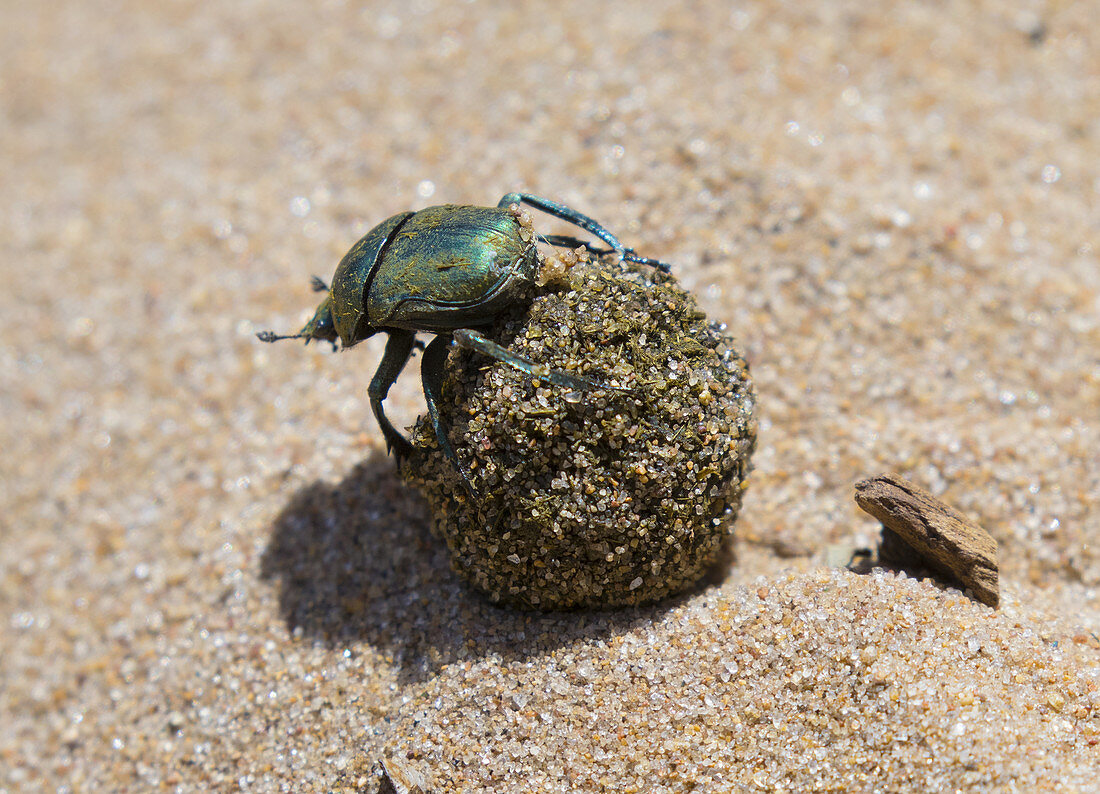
(211, 578)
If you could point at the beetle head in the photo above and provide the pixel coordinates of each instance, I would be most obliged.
(319, 327)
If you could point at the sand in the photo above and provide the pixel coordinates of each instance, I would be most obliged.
(211, 577)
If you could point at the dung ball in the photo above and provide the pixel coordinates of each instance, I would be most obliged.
(603, 497)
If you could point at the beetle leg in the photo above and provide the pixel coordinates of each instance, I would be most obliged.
(471, 339)
(629, 254)
(431, 373)
(565, 241)
(398, 348)
(583, 221)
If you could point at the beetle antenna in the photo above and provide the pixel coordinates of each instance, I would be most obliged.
(318, 284)
(271, 336)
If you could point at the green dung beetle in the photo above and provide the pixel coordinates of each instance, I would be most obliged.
(445, 270)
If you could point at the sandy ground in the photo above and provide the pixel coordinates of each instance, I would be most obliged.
(211, 578)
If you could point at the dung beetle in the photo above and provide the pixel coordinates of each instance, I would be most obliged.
(445, 270)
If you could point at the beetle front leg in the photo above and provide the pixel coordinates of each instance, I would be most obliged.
(583, 221)
(398, 349)
(471, 339)
(431, 373)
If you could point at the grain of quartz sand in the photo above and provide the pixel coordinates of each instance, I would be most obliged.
(212, 580)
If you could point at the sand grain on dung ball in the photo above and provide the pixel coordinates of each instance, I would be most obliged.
(599, 498)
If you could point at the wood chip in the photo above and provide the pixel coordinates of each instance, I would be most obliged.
(945, 539)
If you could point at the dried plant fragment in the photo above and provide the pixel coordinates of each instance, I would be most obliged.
(944, 538)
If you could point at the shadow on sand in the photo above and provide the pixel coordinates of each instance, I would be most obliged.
(356, 563)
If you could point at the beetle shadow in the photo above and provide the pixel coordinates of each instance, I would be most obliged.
(356, 562)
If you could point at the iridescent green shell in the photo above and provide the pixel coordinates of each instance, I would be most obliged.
(439, 269)
(352, 280)
(451, 267)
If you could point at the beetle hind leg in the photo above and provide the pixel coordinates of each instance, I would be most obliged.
(629, 254)
(581, 220)
(566, 241)
(398, 349)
